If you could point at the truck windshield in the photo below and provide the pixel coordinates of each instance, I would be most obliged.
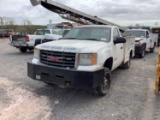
(63, 32)
(60, 32)
(89, 33)
(134, 33)
(42, 32)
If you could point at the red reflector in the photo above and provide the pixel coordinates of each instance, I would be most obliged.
(27, 39)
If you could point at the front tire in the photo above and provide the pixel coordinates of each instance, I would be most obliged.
(23, 50)
(103, 89)
(143, 53)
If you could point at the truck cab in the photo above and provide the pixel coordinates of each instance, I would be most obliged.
(83, 58)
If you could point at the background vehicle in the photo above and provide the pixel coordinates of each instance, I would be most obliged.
(143, 41)
(57, 34)
(156, 31)
(62, 25)
(24, 42)
(83, 59)
(6, 32)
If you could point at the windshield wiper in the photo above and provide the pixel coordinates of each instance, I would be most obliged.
(70, 38)
(94, 39)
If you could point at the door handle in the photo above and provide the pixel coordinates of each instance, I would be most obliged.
(121, 47)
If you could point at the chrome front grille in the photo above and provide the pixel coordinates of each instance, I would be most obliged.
(58, 59)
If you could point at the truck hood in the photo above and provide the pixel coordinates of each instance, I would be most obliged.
(137, 39)
(76, 46)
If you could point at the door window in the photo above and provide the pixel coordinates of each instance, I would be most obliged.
(147, 34)
(115, 34)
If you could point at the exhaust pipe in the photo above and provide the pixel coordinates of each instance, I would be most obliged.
(35, 2)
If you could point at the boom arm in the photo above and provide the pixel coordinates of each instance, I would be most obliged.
(73, 15)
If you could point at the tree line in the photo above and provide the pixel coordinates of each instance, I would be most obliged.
(25, 27)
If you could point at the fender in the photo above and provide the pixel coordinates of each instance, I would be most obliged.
(109, 63)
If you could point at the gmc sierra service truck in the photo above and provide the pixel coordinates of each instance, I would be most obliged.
(144, 41)
(83, 59)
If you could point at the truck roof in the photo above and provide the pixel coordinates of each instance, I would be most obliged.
(137, 30)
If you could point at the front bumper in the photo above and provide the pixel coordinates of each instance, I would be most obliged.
(60, 76)
(138, 49)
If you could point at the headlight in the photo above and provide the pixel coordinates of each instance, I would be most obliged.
(36, 53)
(88, 59)
(138, 43)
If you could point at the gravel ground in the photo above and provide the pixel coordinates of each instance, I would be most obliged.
(131, 96)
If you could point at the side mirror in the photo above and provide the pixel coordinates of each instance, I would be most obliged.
(35, 2)
(119, 40)
(147, 36)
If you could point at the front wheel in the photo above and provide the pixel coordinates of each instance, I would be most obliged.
(143, 53)
(103, 89)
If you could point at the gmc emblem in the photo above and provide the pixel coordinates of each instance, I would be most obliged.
(54, 59)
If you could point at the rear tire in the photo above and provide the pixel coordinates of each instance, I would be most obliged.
(103, 89)
(23, 50)
(30, 49)
(152, 49)
(127, 64)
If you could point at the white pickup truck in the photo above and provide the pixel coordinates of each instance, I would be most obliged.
(144, 41)
(57, 34)
(29, 41)
(83, 59)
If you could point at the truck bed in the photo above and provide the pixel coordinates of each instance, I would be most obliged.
(18, 41)
(154, 37)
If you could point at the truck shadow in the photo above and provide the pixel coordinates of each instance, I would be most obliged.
(55, 92)
(71, 101)
(19, 53)
(147, 55)
(63, 100)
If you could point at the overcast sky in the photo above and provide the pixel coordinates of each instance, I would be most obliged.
(122, 12)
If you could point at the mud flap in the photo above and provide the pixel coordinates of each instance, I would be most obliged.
(157, 86)
(156, 108)
(157, 82)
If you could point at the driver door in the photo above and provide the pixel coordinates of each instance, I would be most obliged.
(118, 53)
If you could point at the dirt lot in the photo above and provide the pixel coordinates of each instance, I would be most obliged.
(131, 96)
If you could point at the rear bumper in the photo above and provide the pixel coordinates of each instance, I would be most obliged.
(60, 76)
(18, 44)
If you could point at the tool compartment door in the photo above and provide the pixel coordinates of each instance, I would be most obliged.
(128, 47)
